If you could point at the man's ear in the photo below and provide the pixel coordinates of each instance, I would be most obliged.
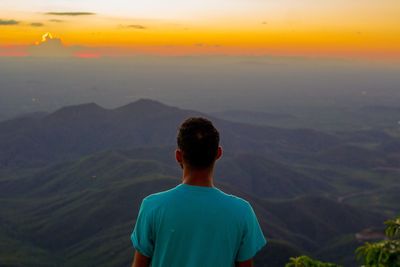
(219, 152)
(179, 156)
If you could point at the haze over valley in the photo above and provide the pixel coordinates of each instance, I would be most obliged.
(314, 92)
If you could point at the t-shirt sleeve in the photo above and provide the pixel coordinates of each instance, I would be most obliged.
(252, 239)
(142, 235)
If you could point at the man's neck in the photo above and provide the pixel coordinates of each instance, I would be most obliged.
(198, 177)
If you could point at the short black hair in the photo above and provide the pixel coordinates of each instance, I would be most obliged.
(198, 140)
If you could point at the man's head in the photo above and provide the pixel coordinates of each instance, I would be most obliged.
(198, 144)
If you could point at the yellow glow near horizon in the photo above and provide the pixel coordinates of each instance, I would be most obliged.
(236, 26)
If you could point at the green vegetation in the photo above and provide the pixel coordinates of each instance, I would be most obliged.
(385, 253)
(305, 261)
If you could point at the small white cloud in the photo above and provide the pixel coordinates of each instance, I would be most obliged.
(50, 47)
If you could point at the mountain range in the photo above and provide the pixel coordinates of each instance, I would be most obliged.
(71, 183)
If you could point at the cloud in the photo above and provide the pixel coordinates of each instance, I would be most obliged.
(70, 13)
(8, 22)
(37, 24)
(137, 26)
(50, 47)
(53, 47)
(56, 20)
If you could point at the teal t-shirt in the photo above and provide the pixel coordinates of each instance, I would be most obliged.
(196, 226)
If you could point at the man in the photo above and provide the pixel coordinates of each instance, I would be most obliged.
(195, 224)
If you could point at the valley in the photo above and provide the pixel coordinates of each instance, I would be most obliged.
(71, 182)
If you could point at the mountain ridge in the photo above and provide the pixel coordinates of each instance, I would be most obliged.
(77, 130)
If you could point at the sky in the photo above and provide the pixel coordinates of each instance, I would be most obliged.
(96, 28)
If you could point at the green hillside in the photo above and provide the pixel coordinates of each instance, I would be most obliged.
(71, 183)
(77, 213)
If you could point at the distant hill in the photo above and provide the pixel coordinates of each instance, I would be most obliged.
(252, 173)
(80, 130)
(265, 178)
(353, 156)
(253, 117)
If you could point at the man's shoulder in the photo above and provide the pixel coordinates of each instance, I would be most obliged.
(228, 200)
(159, 196)
(235, 200)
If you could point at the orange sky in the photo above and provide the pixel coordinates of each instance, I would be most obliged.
(291, 27)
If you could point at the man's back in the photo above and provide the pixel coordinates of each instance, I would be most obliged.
(190, 226)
